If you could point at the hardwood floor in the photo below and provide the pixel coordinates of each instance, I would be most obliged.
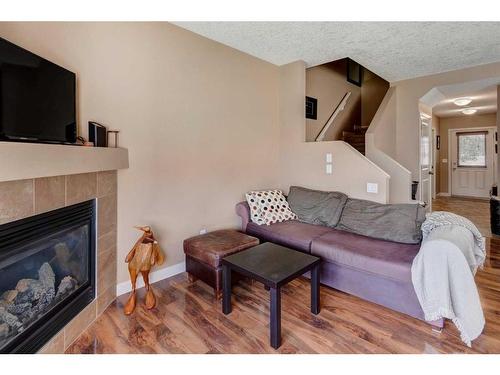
(476, 210)
(189, 320)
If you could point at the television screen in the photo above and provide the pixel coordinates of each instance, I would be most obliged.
(37, 97)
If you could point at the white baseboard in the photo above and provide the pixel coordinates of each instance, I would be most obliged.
(443, 194)
(154, 276)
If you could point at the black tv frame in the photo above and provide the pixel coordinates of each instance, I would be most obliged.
(7, 138)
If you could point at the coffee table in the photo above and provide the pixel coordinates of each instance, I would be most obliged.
(274, 266)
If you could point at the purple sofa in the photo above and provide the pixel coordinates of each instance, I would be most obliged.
(375, 270)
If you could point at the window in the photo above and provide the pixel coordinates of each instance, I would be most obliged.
(424, 151)
(472, 149)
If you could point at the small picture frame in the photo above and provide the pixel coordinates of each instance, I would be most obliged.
(354, 72)
(311, 108)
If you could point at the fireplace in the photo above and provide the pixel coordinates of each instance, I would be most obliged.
(47, 275)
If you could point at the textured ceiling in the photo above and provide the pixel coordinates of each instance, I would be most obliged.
(393, 50)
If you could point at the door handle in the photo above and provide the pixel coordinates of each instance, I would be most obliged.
(431, 173)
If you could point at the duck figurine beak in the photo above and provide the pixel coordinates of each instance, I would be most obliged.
(145, 229)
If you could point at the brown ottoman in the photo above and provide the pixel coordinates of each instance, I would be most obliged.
(204, 254)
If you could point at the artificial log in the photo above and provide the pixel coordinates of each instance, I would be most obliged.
(145, 254)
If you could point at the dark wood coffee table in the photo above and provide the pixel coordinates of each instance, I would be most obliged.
(274, 266)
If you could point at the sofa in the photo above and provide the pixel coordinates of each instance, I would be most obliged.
(373, 269)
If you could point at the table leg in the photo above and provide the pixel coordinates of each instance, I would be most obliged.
(315, 302)
(275, 319)
(226, 289)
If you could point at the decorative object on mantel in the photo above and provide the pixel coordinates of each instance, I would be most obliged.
(97, 134)
(145, 254)
(113, 138)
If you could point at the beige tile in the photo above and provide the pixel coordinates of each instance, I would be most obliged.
(55, 345)
(105, 299)
(106, 270)
(106, 183)
(80, 187)
(79, 324)
(106, 214)
(106, 241)
(49, 193)
(16, 200)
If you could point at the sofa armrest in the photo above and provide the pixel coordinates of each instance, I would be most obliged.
(243, 211)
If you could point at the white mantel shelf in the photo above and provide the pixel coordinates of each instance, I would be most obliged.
(19, 161)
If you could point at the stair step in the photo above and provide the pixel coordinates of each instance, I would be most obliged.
(354, 139)
(356, 144)
(353, 136)
(360, 129)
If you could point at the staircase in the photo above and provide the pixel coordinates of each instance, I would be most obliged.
(356, 138)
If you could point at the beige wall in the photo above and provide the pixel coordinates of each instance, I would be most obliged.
(203, 124)
(498, 127)
(380, 148)
(303, 163)
(410, 91)
(461, 122)
(200, 120)
(328, 84)
(373, 91)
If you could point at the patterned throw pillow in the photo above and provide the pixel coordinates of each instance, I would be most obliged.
(269, 207)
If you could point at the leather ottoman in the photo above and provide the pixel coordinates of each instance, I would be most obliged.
(205, 252)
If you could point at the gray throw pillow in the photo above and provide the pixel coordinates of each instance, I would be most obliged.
(315, 206)
(391, 222)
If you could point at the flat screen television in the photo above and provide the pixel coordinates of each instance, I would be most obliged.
(37, 98)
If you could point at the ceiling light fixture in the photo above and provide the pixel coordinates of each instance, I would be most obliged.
(462, 101)
(469, 111)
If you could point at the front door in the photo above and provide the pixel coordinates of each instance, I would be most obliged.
(472, 162)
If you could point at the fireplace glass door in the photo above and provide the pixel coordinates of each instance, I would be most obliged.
(44, 273)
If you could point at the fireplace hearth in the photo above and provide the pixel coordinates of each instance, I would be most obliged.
(47, 272)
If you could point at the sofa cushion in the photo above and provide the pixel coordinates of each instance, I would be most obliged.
(385, 258)
(291, 233)
(391, 222)
(315, 206)
(268, 207)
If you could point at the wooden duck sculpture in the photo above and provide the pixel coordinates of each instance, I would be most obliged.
(145, 254)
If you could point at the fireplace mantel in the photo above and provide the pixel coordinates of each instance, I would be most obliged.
(20, 161)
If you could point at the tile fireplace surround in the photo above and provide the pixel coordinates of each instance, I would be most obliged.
(26, 197)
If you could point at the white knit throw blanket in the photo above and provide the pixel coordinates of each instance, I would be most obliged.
(439, 218)
(443, 272)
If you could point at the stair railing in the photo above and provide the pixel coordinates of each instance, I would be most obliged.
(340, 107)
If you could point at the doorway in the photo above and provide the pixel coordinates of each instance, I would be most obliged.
(426, 161)
(473, 166)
